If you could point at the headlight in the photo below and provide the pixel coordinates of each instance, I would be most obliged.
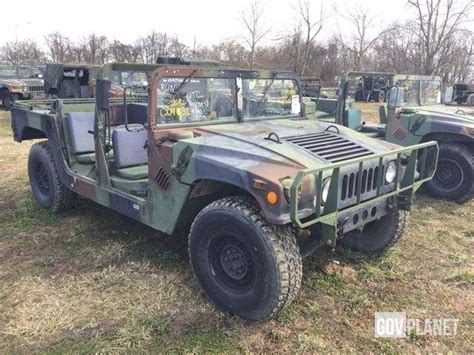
(25, 88)
(326, 186)
(390, 172)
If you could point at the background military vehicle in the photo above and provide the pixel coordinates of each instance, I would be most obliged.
(463, 93)
(20, 83)
(311, 87)
(372, 87)
(414, 114)
(228, 155)
(68, 81)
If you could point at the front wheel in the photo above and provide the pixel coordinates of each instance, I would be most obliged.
(244, 264)
(379, 235)
(454, 176)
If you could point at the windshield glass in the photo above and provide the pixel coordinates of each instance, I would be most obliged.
(420, 92)
(270, 97)
(430, 92)
(30, 73)
(183, 100)
(8, 73)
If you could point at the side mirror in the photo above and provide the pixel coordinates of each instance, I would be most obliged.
(396, 97)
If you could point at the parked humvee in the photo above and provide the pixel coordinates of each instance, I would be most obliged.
(415, 114)
(20, 83)
(228, 155)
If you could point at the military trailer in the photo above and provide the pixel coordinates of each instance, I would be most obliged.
(414, 114)
(20, 83)
(228, 156)
(372, 87)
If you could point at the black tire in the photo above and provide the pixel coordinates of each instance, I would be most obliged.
(381, 96)
(454, 176)
(48, 191)
(244, 264)
(379, 235)
(8, 99)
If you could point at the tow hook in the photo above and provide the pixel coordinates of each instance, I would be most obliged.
(391, 204)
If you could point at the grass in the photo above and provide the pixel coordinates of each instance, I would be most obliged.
(93, 281)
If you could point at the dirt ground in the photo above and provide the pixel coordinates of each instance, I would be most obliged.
(91, 280)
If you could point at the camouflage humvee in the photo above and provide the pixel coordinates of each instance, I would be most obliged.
(229, 156)
(77, 81)
(414, 114)
(20, 83)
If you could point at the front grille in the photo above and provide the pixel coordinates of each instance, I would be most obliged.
(329, 146)
(35, 88)
(350, 183)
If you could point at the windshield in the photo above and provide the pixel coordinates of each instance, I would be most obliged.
(214, 99)
(30, 73)
(420, 92)
(8, 73)
(195, 100)
(269, 97)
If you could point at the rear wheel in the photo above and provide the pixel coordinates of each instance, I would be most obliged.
(48, 191)
(244, 264)
(379, 235)
(454, 176)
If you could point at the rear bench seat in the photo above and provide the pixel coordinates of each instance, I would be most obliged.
(131, 159)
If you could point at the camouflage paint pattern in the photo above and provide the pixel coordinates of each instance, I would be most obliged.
(204, 161)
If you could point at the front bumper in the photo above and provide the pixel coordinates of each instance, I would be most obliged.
(414, 165)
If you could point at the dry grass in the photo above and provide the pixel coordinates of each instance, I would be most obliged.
(93, 281)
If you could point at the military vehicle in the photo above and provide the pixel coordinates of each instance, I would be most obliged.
(372, 88)
(414, 114)
(311, 87)
(228, 156)
(20, 83)
(68, 81)
(463, 93)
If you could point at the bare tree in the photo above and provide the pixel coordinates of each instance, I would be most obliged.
(359, 42)
(312, 27)
(251, 19)
(438, 22)
(95, 49)
(59, 47)
(25, 52)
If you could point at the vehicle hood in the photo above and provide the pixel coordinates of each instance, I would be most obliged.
(248, 143)
(443, 114)
(22, 82)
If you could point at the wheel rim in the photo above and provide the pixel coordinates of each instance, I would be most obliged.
(42, 179)
(232, 263)
(449, 175)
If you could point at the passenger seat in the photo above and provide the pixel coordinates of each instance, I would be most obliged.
(80, 124)
(131, 159)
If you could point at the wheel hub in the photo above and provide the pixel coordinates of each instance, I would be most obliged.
(449, 175)
(42, 179)
(234, 262)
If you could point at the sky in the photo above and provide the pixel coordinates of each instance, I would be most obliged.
(210, 21)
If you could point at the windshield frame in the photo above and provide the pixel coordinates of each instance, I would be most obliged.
(217, 73)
